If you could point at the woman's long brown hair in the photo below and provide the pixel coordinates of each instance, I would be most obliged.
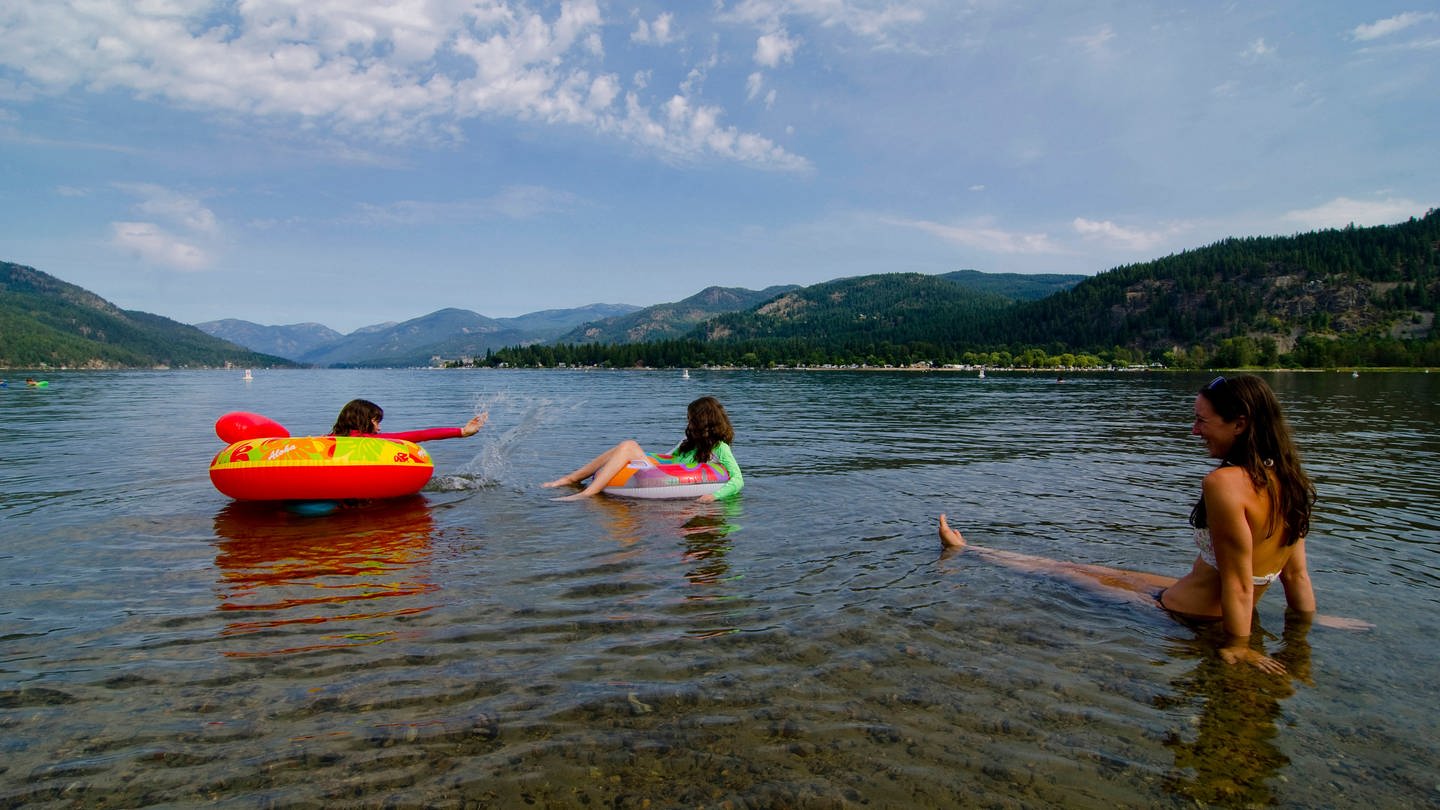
(1266, 446)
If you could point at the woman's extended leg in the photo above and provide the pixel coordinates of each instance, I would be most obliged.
(1095, 577)
(601, 469)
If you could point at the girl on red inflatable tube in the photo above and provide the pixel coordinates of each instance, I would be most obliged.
(361, 417)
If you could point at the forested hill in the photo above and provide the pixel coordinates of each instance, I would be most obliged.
(48, 323)
(1357, 296)
(665, 321)
(1336, 297)
(1019, 286)
(853, 314)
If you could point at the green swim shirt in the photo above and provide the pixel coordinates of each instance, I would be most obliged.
(719, 454)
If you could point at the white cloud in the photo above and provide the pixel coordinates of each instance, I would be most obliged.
(402, 71)
(878, 24)
(754, 83)
(983, 237)
(1122, 237)
(154, 244)
(1391, 25)
(1343, 211)
(659, 32)
(1258, 50)
(179, 209)
(1098, 43)
(774, 48)
(1226, 89)
(689, 131)
(515, 202)
(158, 243)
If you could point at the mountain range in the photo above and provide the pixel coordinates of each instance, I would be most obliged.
(446, 333)
(1338, 297)
(49, 323)
(1353, 296)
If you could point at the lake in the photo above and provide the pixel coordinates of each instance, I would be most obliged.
(806, 645)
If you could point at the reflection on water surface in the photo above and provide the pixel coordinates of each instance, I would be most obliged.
(806, 646)
(279, 569)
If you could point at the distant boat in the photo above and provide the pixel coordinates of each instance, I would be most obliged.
(248, 376)
(1354, 374)
(685, 374)
(982, 373)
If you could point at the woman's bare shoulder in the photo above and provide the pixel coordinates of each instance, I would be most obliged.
(1226, 473)
(1232, 481)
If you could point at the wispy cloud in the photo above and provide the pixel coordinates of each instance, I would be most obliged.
(1258, 49)
(1391, 25)
(361, 70)
(1343, 211)
(516, 202)
(180, 209)
(660, 31)
(1096, 43)
(774, 48)
(152, 243)
(876, 23)
(983, 236)
(1132, 239)
(684, 130)
(158, 243)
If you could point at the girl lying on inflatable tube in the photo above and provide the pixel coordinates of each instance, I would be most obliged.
(701, 467)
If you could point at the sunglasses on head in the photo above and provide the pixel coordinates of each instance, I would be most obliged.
(1218, 381)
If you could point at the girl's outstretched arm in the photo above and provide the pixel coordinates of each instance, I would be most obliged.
(473, 426)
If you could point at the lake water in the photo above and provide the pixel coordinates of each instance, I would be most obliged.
(808, 645)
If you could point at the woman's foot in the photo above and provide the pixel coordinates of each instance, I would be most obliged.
(579, 496)
(558, 482)
(949, 538)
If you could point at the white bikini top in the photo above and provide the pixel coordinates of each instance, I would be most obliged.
(1207, 554)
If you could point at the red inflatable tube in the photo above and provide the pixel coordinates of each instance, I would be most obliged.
(240, 426)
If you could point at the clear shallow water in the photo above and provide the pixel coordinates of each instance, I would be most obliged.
(808, 646)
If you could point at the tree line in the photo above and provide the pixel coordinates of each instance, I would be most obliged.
(1350, 297)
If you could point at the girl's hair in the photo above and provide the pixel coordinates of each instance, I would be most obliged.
(1265, 446)
(706, 425)
(358, 416)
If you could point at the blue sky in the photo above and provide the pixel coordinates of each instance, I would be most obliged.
(352, 162)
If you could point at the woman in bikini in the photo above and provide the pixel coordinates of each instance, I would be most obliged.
(1250, 525)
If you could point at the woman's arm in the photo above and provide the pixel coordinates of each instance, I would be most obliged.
(1295, 576)
(1300, 594)
(1227, 491)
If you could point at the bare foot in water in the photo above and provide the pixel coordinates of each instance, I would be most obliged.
(950, 538)
(579, 496)
(558, 482)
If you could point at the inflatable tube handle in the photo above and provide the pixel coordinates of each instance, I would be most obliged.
(240, 426)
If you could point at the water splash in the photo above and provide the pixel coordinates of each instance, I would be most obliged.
(514, 420)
